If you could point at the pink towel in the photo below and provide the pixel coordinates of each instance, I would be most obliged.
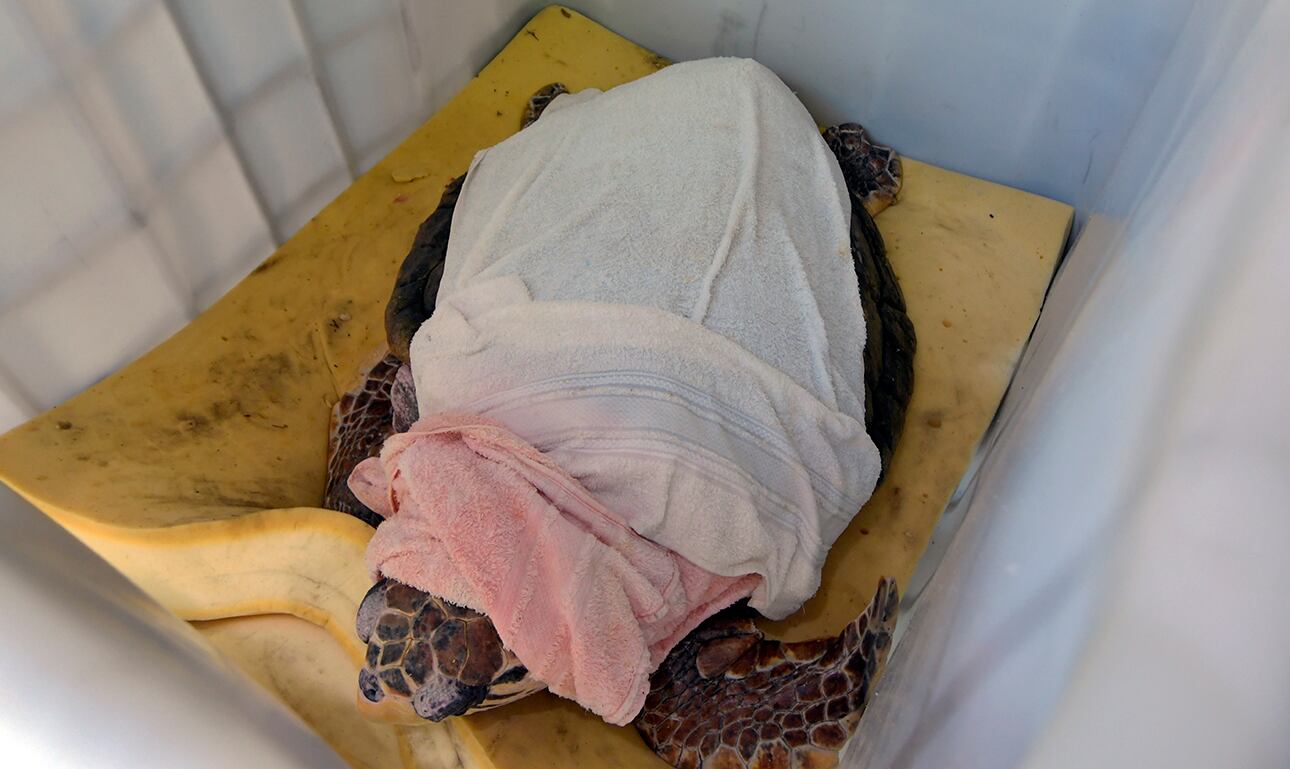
(478, 516)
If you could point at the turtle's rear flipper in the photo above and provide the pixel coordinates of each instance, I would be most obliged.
(872, 174)
(774, 705)
(538, 102)
(872, 171)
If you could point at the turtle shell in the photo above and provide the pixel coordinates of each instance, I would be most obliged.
(430, 659)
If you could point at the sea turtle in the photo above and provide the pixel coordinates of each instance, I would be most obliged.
(726, 696)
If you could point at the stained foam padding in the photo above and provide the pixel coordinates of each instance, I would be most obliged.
(296, 662)
(197, 469)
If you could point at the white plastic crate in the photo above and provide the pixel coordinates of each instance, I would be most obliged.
(1107, 589)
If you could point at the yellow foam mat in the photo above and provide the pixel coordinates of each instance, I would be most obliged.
(197, 469)
(299, 664)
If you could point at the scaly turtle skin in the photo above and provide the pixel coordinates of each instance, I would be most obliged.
(539, 101)
(872, 172)
(364, 419)
(729, 697)
(726, 696)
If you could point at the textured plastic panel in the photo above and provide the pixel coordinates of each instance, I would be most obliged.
(91, 320)
(205, 134)
(1149, 405)
(106, 697)
(1127, 521)
(1036, 95)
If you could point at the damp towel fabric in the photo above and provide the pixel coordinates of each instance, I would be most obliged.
(653, 288)
(477, 516)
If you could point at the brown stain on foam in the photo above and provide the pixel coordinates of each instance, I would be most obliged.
(192, 425)
(261, 378)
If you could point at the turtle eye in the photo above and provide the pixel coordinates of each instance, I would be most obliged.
(512, 676)
(370, 610)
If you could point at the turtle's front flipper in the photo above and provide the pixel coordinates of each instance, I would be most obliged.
(412, 301)
(728, 698)
(360, 422)
(872, 174)
(428, 659)
(385, 402)
(417, 286)
(872, 171)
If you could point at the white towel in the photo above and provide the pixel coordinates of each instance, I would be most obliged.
(654, 286)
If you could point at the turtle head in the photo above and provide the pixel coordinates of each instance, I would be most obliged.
(438, 697)
(430, 659)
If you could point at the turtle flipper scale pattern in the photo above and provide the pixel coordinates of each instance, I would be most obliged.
(361, 420)
(872, 171)
(539, 101)
(364, 416)
(773, 706)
